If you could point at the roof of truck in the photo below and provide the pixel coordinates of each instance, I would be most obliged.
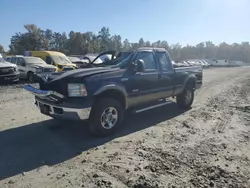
(152, 48)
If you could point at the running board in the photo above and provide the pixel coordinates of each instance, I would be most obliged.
(154, 106)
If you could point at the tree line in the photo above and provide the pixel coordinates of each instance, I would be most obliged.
(76, 43)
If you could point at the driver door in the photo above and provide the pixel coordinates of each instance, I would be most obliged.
(142, 87)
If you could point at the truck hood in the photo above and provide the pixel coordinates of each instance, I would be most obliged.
(78, 73)
(6, 64)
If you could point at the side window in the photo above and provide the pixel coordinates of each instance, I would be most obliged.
(148, 59)
(20, 61)
(164, 60)
(13, 60)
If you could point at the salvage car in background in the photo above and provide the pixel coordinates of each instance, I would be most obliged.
(7, 58)
(8, 72)
(58, 59)
(31, 66)
(78, 62)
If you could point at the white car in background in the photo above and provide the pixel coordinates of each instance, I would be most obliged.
(8, 71)
(206, 64)
(30, 66)
(192, 63)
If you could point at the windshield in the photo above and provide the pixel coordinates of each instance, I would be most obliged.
(120, 61)
(102, 59)
(123, 61)
(34, 60)
(61, 60)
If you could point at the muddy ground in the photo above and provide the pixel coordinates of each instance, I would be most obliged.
(207, 146)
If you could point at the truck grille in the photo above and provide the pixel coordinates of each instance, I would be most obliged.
(67, 69)
(8, 70)
(49, 70)
(55, 86)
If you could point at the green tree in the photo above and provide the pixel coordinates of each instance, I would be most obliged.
(35, 38)
(104, 35)
(147, 44)
(141, 43)
(1, 49)
(126, 45)
(32, 39)
(116, 43)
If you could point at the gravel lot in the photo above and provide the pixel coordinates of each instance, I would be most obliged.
(207, 146)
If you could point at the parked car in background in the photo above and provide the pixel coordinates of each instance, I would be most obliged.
(8, 72)
(78, 62)
(29, 67)
(206, 64)
(58, 59)
(7, 58)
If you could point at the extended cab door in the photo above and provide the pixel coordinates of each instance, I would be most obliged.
(166, 76)
(142, 87)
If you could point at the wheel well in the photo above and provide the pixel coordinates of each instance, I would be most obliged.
(114, 94)
(192, 83)
(29, 72)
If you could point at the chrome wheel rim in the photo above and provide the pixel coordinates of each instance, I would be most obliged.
(109, 118)
(188, 96)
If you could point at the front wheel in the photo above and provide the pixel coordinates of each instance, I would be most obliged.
(31, 77)
(186, 98)
(106, 116)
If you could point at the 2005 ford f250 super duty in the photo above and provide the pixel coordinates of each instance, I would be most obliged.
(103, 94)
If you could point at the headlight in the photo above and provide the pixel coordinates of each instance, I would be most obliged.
(77, 90)
(39, 70)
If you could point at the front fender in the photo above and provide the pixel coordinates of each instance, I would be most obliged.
(113, 87)
(190, 77)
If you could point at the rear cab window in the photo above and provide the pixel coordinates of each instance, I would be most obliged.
(164, 60)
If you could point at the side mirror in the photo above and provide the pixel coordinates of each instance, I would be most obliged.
(139, 65)
(22, 64)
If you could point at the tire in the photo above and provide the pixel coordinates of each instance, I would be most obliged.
(106, 117)
(186, 98)
(31, 77)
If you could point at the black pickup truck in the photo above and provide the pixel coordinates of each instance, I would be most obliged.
(103, 94)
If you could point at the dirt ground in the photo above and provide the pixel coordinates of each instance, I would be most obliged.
(207, 146)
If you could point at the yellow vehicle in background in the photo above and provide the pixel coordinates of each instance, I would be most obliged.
(58, 59)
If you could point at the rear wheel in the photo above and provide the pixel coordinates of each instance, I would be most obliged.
(186, 98)
(106, 116)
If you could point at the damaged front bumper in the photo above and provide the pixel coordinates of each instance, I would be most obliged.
(53, 104)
